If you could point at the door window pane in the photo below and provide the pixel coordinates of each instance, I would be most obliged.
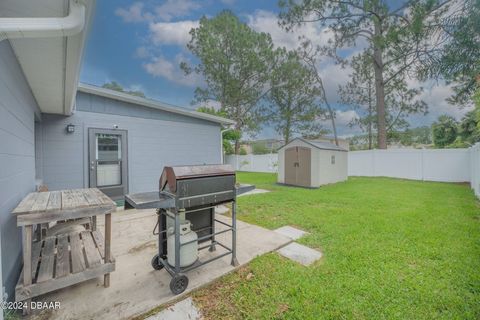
(109, 156)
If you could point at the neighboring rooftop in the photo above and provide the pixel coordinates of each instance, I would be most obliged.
(125, 97)
(319, 144)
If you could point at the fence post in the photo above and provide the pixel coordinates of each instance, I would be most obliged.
(422, 168)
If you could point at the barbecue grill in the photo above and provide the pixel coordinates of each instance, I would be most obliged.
(186, 201)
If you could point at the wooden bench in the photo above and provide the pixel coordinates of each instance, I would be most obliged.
(63, 259)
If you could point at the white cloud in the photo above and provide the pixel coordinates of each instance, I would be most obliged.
(342, 120)
(170, 70)
(176, 33)
(165, 12)
(435, 95)
(176, 8)
(134, 13)
(142, 53)
(266, 21)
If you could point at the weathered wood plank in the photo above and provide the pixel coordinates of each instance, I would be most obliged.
(55, 201)
(26, 204)
(93, 256)
(64, 214)
(80, 200)
(99, 242)
(67, 199)
(108, 239)
(91, 197)
(35, 290)
(63, 257)
(27, 255)
(41, 202)
(37, 247)
(48, 257)
(103, 198)
(76, 250)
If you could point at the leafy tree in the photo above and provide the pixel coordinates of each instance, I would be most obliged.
(395, 36)
(444, 131)
(359, 92)
(228, 136)
(469, 132)
(242, 151)
(311, 55)
(113, 85)
(260, 148)
(236, 63)
(400, 101)
(293, 106)
(458, 59)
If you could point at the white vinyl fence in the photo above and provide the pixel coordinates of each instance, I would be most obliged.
(448, 165)
(254, 163)
(475, 169)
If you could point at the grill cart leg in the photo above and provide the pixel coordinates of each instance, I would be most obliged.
(212, 223)
(234, 234)
(177, 240)
(156, 264)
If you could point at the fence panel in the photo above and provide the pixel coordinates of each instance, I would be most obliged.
(254, 163)
(475, 169)
(449, 165)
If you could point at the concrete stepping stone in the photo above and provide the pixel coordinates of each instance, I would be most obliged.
(254, 191)
(291, 232)
(184, 309)
(221, 209)
(300, 253)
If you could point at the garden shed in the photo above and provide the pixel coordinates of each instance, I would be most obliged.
(310, 163)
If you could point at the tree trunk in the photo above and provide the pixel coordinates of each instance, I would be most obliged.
(379, 89)
(237, 146)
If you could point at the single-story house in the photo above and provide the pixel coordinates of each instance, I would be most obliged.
(62, 134)
(311, 163)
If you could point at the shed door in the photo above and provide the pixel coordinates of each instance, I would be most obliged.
(298, 166)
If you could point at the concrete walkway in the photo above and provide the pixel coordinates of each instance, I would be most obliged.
(135, 288)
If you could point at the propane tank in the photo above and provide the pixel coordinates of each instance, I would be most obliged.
(188, 252)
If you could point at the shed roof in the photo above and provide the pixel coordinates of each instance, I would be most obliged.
(319, 145)
(121, 96)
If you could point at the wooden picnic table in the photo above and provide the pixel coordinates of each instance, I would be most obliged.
(62, 260)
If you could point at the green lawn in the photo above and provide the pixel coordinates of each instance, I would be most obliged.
(393, 249)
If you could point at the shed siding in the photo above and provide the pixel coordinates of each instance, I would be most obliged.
(153, 142)
(322, 170)
(17, 158)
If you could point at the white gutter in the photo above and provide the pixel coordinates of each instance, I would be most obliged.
(15, 28)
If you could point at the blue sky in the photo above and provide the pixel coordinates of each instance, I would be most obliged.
(113, 53)
(140, 44)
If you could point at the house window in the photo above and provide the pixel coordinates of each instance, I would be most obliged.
(333, 160)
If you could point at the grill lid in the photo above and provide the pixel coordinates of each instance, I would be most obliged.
(170, 174)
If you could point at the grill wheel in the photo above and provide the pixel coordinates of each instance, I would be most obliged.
(156, 263)
(179, 283)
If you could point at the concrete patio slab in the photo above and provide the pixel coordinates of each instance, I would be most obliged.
(135, 288)
(184, 309)
(254, 191)
(291, 232)
(300, 253)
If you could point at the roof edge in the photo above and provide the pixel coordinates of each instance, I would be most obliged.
(340, 149)
(154, 104)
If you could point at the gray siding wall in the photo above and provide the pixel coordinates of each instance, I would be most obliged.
(155, 139)
(17, 158)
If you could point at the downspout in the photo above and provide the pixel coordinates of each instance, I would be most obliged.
(17, 28)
